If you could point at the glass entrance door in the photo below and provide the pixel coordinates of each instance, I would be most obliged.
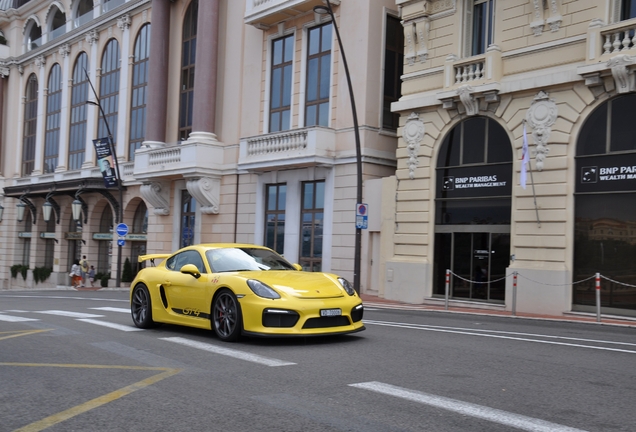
(477, 260)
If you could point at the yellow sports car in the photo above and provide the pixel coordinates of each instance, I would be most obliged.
(242, 289)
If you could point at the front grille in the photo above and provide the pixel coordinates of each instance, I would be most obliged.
(337, 321)
(280, 318)
(356, 313)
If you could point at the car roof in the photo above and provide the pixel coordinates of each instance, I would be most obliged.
(226, 245)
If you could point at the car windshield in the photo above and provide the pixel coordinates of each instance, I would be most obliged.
(244, 259)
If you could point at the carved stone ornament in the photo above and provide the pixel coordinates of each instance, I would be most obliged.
(40, 61)
(207, 192)
(413, 133)
(4, 69)
(470, 103)
(541, 116)
(124, 21)
(92, 37)
(622, 75)
(64, 50)
(422, 29)
(156, 194)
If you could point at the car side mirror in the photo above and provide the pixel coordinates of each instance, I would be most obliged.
(298, 267)
(191, 269)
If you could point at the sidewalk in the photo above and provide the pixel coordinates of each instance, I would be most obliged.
(380, 303)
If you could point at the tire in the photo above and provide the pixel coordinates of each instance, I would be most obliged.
(227, 319)
(141, 307)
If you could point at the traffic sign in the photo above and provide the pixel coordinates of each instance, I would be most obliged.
(122, 229)
(362, 216)
(121, 242)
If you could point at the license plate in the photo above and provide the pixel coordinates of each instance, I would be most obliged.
(330, 312)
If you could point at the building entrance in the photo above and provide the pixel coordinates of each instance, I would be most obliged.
(477, 260)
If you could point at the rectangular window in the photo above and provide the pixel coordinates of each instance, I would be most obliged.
(481, 25)
(393, 67)
(312, 216)
(318, 76)
(628, 9)
(275, 217)
(188, 213)
(281, 84)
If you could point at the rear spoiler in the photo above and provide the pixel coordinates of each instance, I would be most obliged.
(152, 257)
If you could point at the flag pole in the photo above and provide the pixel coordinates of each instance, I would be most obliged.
(534, 194)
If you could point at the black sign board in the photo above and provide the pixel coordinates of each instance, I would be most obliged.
(474, 181)
(105, 161)
(607, 173)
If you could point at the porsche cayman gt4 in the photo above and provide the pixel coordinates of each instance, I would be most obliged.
(242, 289)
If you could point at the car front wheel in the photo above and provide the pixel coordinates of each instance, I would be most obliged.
(226, 316)
(141, 307)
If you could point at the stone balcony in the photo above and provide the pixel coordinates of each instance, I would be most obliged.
(610, 57)
(290, 149)
(266, 13)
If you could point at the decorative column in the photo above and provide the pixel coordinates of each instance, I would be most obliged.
(4, 75)
(124, 24)
(40, 62)
(62, 151)
(20, 129)
(157, 102)
(91, 120)
(204, 111)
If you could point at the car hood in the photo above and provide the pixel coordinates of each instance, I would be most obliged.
(309, 285)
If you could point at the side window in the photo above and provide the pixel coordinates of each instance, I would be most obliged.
(190, 257)
(171, 263)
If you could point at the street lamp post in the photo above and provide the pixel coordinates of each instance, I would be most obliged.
(358, 240)
(97, 103)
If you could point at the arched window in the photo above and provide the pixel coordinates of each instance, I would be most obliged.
(473, 210)
(79, 96)
(139, 94)
(57, 25)
(605, 205)
(53, 112)
(109, 90)
(30, 126)
(83, 13)
(34, 38)
(188, 60)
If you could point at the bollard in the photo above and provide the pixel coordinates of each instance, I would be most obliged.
(598, 297)
(514, 293)
(446, 289)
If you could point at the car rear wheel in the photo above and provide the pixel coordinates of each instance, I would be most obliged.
(141, 307)
(226, 316)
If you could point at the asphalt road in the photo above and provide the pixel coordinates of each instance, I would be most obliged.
(73, 361)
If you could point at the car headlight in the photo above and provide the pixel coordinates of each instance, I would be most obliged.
(262, 290)
(347, 286)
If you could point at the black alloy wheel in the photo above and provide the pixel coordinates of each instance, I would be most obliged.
(141, 307)
(226, 316)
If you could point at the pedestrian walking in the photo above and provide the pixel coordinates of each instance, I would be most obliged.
(91, 276)
(84, 268)
(76, 274)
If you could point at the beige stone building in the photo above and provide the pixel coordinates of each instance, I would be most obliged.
(477, 74)
(256, 146)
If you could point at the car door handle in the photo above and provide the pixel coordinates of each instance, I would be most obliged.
(167, 283)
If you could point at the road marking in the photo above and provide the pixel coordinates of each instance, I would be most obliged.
(112, 309)
(9, 318)
(69, 314)
(110, 325)
(65, 298)
(241, 355)
(473, 333)
(466, 408)
(12, 334)
(97, 402)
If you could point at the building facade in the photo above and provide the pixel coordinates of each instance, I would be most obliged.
(230, 121)
(480, 78)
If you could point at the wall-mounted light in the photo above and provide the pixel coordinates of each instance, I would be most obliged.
(21, 207)
(47, 208)
(76, 208)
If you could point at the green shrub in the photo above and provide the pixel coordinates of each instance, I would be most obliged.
(19, 268)
(40, 274)
(104, 280)
(127, 273)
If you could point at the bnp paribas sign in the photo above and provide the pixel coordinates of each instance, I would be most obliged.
(608, 173)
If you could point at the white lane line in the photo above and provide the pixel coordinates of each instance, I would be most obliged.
(9, 318)
(477, 330)
(110, 325)
(471, 333)
(466, 408)
(69, 314)
(254, 358)
(112, 309)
